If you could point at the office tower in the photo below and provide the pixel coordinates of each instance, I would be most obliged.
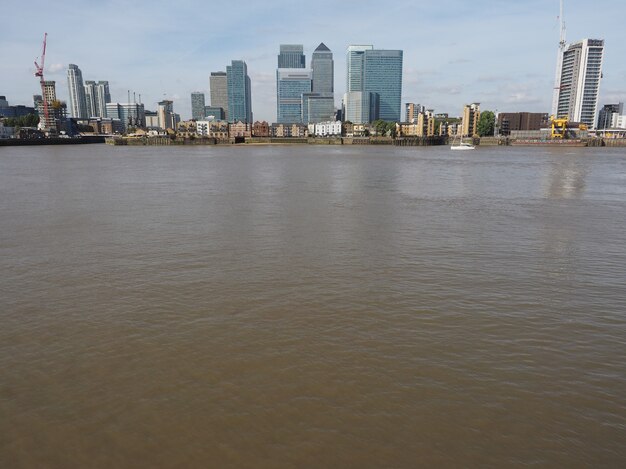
(579, 84)
(608, 115)
(319, 105)
(78, 104)
(166, 114)
(412, 110)
(377, 75)
(129, 114)
(291, 84)
(471, 115)
(291, 56)
(322, 70)
(197, 105)
(292, 81)
(382, 74)
(239, 92)
(219, 91)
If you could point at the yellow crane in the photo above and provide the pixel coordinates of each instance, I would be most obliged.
(559, 127)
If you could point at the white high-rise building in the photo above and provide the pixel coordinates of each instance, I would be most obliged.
(103, 97)
(90, 98)
(76, 88)
(97, 96)
(579, 85)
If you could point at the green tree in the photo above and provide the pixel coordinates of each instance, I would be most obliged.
(29, 120)
(486, 123)
(384, 128)
(380, 126)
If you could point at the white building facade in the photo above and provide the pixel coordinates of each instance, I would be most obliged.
(326, 129)
(579, 88)
(76, 88)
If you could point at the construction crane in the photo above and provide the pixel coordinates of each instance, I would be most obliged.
(39, 73)
(559, 61)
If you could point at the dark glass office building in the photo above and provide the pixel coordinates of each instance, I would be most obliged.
(382, 75)
(239, 92)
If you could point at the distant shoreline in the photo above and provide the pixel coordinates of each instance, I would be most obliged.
(18, 142)
(267, 141)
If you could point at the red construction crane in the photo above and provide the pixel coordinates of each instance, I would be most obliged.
(39, 73)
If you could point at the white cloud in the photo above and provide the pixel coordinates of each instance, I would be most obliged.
(55, 68)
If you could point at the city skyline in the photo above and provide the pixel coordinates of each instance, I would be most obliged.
(458, 65)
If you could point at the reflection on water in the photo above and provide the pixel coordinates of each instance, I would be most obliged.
(311, 307)
(567, 177)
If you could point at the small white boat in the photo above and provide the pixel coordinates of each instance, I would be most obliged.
(462, 146)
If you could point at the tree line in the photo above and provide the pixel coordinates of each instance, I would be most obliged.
(29, 120)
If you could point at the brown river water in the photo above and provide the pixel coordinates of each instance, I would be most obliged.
(312, 307)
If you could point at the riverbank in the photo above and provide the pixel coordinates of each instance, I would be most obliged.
(18, 142)
(401, 141)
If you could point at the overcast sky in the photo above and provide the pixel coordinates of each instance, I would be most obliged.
(499, 53)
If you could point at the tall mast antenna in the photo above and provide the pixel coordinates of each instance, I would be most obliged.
(559, 62)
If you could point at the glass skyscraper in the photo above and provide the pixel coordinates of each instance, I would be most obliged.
(291, 83)
(382, 74)
(373, 84)
(322, 69)
(319, 105)
(239, 92)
